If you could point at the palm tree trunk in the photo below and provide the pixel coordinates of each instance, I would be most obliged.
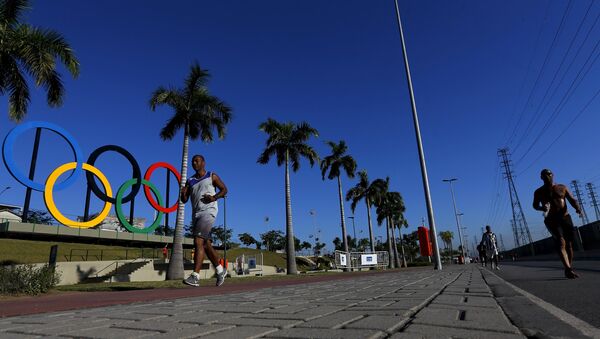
(389, 241)
(291, 252)
(175, 270)
(371, 238)
(402, 247)
(343, 217)
(395, 247)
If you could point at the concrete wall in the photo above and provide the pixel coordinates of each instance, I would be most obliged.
(590, 239)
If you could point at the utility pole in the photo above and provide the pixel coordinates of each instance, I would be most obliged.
(456, 215)
(432, 231)
(577, 191)
(594, 198)
(520, 228)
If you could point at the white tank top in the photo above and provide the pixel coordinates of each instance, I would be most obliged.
(200, 187)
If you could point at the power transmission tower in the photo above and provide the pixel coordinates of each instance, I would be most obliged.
(520, 228)
(594, 198)
(577, 191)
(502, 243)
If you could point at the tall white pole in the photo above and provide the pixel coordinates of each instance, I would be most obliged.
(456, 215)
(433, 231)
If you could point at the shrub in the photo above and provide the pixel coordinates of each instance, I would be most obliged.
(27, 279)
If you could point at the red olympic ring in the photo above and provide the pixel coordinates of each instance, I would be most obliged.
(149, 196)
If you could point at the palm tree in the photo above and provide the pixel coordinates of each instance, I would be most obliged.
(27, 51)
(198, 113)
(447, 237)
(384, 210)
(399, 222)
(334, 163)
(368, 191)
(287, 141)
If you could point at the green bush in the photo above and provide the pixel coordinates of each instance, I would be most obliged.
(27, 279)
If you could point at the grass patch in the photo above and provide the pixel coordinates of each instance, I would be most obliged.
(17, 251)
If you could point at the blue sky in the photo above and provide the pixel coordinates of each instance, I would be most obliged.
(479, 69)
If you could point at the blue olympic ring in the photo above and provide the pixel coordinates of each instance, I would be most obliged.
(7, 154)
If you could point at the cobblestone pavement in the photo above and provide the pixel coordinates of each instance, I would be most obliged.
(455, 302)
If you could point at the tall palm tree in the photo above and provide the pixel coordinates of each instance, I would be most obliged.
(198, 113)
(364, 190)
(399, 222)
(334, 162)
(384, 210)
(28, 51)
(287, 141)
(447, 237)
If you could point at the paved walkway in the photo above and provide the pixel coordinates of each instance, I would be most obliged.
(455, 302)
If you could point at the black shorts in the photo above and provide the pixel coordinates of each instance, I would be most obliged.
(561, 227)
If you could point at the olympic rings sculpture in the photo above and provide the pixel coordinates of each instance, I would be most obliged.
(77, 167)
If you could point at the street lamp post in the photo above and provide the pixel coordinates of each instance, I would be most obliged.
(433, 231)
(456, 215)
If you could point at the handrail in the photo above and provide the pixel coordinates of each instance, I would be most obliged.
(130, 253)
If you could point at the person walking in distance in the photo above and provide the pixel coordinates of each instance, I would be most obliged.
(550, 199)
(490, 247)
(201, 188)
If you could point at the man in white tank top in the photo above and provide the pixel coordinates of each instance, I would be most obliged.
(201, 189)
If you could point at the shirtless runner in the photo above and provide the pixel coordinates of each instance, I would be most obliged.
(550, 199)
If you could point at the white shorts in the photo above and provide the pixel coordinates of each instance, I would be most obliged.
(203, 223)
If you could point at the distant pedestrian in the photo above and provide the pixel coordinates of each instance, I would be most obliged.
(490, 245)
(550, 199)
(481, 251)
(201, 187)
(165, 252)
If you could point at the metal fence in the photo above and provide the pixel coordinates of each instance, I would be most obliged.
(247, 264)
(379, 259)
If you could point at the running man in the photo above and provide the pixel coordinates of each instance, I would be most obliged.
(490, 247)
(550, 199)
(201, 188)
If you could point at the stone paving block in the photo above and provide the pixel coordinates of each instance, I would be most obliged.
(236, 308)
(19, 336)
(162, 325)
(280, 323)
(490, 320)
(335, 320)
(110, 333)
(203, 317)
(62, 328)
(472, 301)
(435, 332)
(379, 322)
(130, 316)
(288, 309)
(192, 332)
(236, 332)
(321, 333)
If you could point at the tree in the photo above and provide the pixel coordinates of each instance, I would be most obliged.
(447, 237)
(337, 244)
(198, 113)
(411, 243)
(39, 217)
(368, 191)
(273, 240)
(221, 236)
(318, 247)
(305, 245)
(247, 239)
(30, 52)
(287, 142)
(333, 163)
(363, 244)
(384, 209)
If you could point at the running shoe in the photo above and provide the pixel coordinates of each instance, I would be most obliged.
(221, 277)
(192, 280)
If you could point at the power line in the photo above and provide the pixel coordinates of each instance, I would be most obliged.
(538, 113)
(523, 82)
(563, 131)
(556, 34)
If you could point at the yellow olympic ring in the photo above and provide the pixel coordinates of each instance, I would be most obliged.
(48, 198)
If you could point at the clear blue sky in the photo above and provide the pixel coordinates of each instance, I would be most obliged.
(337, 65)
